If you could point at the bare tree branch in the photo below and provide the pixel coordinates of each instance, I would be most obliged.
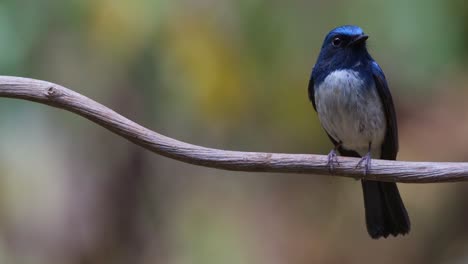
(61, 97)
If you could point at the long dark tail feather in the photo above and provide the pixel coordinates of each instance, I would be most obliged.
(385, 212)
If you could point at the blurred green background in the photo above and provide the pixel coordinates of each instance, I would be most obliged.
(228, 74)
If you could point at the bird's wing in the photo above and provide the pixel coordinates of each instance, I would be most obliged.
(312, 92)
(390, 144)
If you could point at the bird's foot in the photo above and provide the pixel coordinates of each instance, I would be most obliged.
(332, 161)
(366, 163)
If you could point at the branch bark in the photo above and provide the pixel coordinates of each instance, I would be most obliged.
(58, 96)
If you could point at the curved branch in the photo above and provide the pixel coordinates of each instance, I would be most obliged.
(61, 97)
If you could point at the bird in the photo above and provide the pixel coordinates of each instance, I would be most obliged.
(350, 94)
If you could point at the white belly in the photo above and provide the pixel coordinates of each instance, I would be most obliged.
(350, 112)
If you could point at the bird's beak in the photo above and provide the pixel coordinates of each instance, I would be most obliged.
(359, 39)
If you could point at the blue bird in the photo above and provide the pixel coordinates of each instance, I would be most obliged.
(349, 92)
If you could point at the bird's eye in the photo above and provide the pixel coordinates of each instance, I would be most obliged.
(336, 42)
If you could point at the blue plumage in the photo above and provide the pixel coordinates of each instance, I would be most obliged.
(349, 30)
(349, 91)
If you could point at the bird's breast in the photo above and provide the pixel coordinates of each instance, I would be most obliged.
(351, 111)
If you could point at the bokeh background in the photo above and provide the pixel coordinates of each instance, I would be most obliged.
(228, 74)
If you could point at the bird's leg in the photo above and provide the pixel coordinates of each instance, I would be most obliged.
(366, 161)
(333, 158)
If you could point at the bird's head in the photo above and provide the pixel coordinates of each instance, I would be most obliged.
(343, 47)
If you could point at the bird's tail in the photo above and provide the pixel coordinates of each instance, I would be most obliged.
(385, 212)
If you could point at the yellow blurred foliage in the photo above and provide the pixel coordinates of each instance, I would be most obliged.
(209, 61)
(122, 27)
